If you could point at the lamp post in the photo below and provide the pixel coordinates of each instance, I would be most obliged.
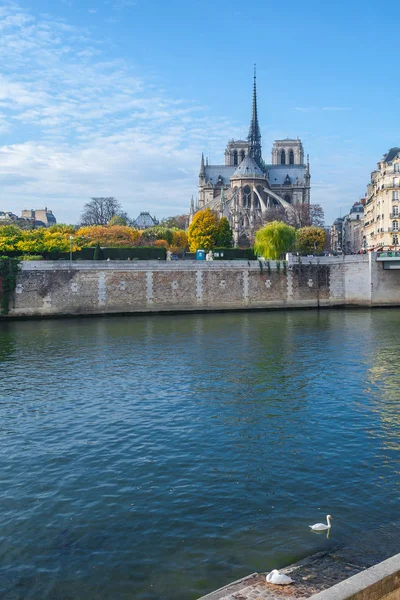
(70, 250)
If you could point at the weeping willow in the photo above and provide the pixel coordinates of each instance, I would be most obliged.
(274, 240)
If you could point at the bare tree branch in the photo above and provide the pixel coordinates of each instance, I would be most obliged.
(99, 211)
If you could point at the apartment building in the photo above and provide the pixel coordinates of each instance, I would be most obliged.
(381, 214)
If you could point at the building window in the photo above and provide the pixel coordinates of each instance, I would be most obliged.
(395, 195)
(242, 155)
(396, 181)
(235, 158)
(395, 211)
(283, 157)
(395, 225)
(247, 197)
(395, 240)
(291, 158)
(287, 198)
(396, 168)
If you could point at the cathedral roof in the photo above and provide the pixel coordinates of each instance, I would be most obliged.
(248, 168)
(278, 173)
(213, 172)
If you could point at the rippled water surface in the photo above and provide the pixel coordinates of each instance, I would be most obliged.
(162, 457)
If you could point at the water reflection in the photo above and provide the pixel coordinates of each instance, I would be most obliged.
(190, 450)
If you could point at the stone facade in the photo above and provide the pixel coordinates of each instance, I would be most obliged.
(245, 186)
(381, 220)
(353, 232)
(42, 217)
(86, 288)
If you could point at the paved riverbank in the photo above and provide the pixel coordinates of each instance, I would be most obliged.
(319, 571)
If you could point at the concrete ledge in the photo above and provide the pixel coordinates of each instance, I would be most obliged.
(141, 265)
(379, 582)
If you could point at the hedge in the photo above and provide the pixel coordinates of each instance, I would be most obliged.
(233, 254)
(134, 253)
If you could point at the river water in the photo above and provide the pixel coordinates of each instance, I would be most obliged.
(162, 457)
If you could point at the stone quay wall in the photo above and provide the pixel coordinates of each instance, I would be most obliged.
(55, 288)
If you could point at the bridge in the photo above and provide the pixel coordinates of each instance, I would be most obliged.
(390, 260)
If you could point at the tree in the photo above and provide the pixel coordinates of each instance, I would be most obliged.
(224, 235)
(98, 253)
(274, 240)
(10, 235)
(180, 222)
(202, 230)
(317, 215)
(99, 211)
(115, 236)
(118, 220)
(278, 213)
(308, 214)
(310, 240)
(179, 239)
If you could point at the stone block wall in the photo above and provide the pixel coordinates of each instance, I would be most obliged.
(81, 288)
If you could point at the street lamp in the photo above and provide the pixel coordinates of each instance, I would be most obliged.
(70, 249)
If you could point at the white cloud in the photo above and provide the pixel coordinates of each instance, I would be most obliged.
(88, 126)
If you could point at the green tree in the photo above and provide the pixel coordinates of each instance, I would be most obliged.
(310, 240)
(202, 231)
(98, 253)
(274, 240)
(118, 220)
(224, 235)
(178, 222)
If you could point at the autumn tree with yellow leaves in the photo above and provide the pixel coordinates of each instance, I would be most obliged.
(207, 231)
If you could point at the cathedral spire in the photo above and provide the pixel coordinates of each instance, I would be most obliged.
(254, 137)
(202, 170)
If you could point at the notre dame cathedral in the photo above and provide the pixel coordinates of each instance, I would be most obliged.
(245, 187)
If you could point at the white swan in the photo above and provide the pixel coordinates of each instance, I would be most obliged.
(322, 526)
(278, 578)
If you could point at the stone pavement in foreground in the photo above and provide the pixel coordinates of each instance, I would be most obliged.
(318, 572)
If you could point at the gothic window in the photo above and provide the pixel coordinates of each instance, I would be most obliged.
(395, 225)
(283, 157)
(247, 197)
(291, 158)
(242, 155)
(235, 158)
(287, 198)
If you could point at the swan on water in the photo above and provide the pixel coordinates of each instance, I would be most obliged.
(278, 578)
(322, 526)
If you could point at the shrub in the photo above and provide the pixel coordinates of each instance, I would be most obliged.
(98, 252)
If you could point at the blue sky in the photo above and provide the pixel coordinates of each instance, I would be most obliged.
(120, 97)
